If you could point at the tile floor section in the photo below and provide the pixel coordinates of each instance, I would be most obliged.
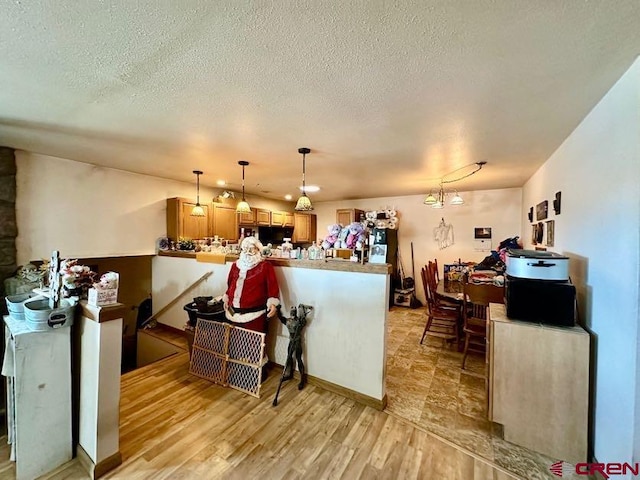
(426, 386)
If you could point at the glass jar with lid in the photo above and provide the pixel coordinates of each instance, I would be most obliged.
(286, 247)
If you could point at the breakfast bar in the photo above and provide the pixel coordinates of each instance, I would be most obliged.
(345, 336)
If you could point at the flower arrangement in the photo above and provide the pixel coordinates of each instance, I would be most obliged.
(76, 278)
(186, 244)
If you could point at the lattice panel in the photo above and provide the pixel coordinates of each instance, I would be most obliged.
(243, 377)
(212, 336)
(209, 365)
(228, 355)
(246, 346)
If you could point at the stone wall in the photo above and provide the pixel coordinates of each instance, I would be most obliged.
(8, 227)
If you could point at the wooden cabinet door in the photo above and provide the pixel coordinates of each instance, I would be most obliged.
(247, 218)
(194, 227)
(180, 223)
(263, 217)
(277, 219)
(345, 216)
(304, 230)
(225, 223)
(289, 220)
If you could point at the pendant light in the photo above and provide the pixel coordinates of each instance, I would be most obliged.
(243, 206)
(438, 200)
(304, 203)
(197, 211)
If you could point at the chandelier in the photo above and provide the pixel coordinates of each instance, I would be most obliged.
(438, 200)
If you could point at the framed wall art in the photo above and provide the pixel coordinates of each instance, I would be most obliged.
(542, 210)
(551, 226)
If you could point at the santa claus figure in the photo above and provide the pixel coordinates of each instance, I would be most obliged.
(252, 288)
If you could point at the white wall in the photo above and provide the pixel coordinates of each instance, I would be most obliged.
(597, 169)
(87, 211)
(498, 209)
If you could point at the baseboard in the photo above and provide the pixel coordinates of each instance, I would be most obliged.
(102, 467)
(340, 390)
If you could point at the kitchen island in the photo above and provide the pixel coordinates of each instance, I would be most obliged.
(345, 337)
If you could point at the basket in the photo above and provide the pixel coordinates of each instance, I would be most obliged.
(15, 304)
(41, 318)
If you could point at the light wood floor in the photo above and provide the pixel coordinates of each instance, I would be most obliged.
(177, 426)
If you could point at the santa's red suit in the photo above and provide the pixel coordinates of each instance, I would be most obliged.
(251, 289)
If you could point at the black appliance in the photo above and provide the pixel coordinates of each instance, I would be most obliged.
(274, 235)
(541, 301)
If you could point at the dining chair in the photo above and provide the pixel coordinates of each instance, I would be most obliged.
(475, 300)
(441, 323)
(442, 302)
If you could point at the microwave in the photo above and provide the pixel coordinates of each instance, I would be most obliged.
(540, 301)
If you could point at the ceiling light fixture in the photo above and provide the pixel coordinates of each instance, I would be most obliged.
(197, 211)
(303, 204)
(243, 206)
(438, 200)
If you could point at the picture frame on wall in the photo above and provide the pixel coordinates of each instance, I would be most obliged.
(551, 226)
(540, 233)
(534, 234)
(542, 210)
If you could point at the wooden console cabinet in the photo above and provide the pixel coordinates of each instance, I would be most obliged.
(539, 384)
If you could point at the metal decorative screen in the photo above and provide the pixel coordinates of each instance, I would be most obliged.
(228, 355)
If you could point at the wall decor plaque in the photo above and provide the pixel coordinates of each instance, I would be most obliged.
(542, 210)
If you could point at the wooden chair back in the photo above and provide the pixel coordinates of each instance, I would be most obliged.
(476, 298)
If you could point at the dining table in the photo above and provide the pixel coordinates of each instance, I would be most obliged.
(452, 290)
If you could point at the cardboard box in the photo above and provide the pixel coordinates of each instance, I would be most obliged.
(453, 272)
(100, 298)
(342, 253)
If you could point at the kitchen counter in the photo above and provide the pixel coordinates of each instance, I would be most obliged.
(345, 337)
(337, 264)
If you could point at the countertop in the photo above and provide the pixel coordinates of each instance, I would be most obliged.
(334, 264)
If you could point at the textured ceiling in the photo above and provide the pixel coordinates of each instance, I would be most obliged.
(388, 96)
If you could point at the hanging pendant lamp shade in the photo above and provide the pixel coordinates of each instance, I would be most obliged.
(457, 199)
(243, 206)
(430, 199)
(197, 211)
(304, 203)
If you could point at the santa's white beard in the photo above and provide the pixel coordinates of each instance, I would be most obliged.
(248, 260)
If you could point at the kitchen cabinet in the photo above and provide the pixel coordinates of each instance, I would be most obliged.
(539, 384)
(248, 219)
(277, 219)
(263, 217)
(289, 220)
(304, 229)
(345, 216)
(180, 223)
(225, 222)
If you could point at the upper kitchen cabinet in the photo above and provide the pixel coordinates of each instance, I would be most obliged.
(247, 218)
(180, 223)
(289, 220)
(282, 219)
(345, 216)
(225, 222)
(263, 217)
(304, 230)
